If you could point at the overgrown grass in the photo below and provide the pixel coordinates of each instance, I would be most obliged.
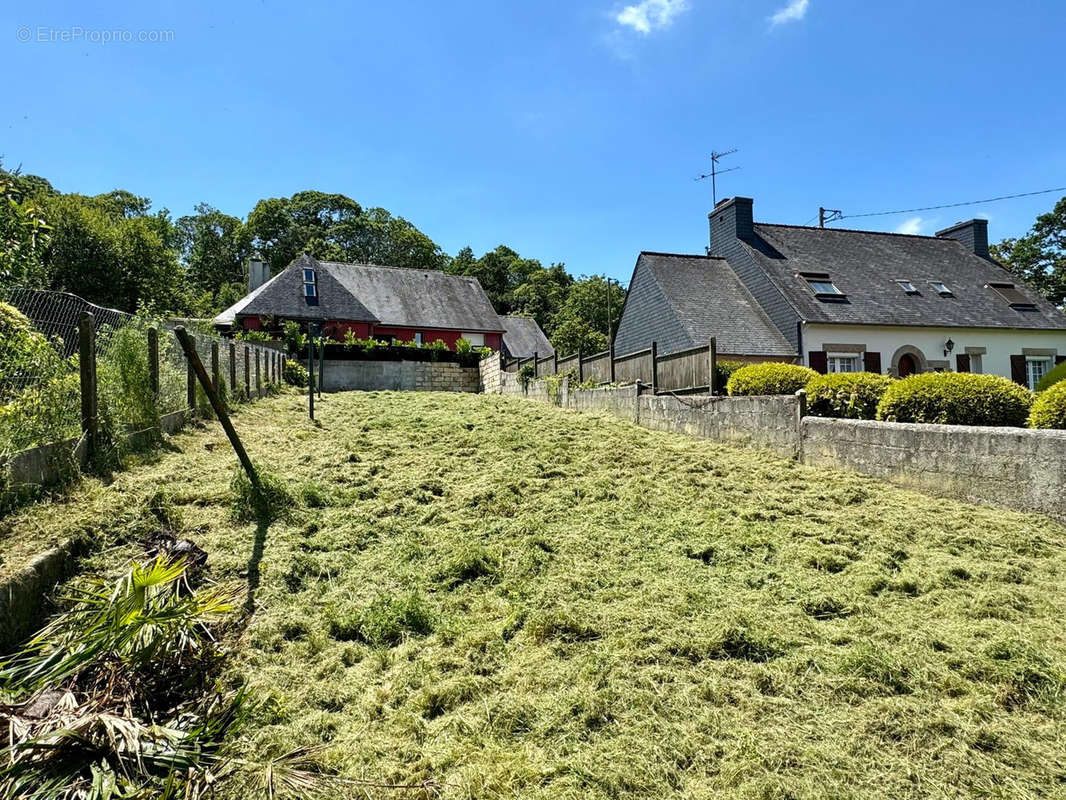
(504, 599)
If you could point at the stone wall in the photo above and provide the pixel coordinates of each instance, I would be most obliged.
(489, 370)
(769, 423)
(411, 376)
(1012, 467)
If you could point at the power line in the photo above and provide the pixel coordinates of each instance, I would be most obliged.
(952, 205)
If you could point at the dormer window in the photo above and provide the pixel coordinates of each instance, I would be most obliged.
(941, 289)
(822, 286)
(908, 287)
(1014, 298)
(309, 276)
(310, 290)
(310, 286)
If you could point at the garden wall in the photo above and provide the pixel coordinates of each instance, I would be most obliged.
(421, 376)
(1012, 467)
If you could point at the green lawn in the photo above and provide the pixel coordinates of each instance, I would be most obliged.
(506, 599)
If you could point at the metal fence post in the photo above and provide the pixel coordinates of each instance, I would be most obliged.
(654, 368)
(153, 363)
(712, 365)
(87, 370)
(610, 356)
(232, 370)
(190, 379)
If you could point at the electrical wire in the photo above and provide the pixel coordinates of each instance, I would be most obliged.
(952, 205)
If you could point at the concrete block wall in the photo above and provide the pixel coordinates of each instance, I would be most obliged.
(1011, 467)
(413, 376)
(489, 372)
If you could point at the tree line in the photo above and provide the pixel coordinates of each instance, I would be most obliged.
(114, 250)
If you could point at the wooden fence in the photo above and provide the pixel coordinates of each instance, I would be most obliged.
(686, 371)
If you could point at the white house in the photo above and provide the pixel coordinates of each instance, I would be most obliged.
(848, 300)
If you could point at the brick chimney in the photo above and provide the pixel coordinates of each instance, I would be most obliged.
(258, 274)
(731, 219)
(973, 234)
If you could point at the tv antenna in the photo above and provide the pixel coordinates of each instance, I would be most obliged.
(715, 172)
(828, 215)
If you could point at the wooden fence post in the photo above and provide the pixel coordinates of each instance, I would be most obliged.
(712, 365)
(654, 368)
(87, 370)
(258, 377)
(536, 365)
(216, 378)
(555, 362)
(232, 371)
(190, 379)
(580, 367)
(153, 363)
(610, 356)
(247, 372)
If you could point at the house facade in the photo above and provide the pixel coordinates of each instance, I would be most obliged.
(852, 300)
(385, 303)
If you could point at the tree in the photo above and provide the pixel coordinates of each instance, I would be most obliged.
(24, 233)
(542, 295)
(500, 272)
(1039, 257)
(214, 247)
(582, 322)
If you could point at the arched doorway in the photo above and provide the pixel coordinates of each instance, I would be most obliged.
(908, 360)
(907, 365)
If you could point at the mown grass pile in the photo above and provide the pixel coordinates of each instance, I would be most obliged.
(488, 597)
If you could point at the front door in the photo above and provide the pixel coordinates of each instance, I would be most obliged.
(907, 365)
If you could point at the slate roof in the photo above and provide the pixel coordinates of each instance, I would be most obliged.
(522, 337)
(387, 296)
(865, 265)
(705, 298)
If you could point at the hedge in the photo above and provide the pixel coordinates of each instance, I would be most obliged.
(1049, 408)
(769, 378)
(723, 370)
(1057, 373)
(956, 398)
(850, 395)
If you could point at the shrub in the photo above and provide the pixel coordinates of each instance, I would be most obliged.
(526, 374)
(725, 369)
(956, 398)
(463, 345)
(850, 395)
(1057, 373)
(294, 338)
(295, 373)
(1049, 408)
(769, 378)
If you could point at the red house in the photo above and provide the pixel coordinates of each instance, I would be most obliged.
(386, 303)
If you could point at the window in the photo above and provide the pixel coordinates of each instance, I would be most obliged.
(908, 287)
(1014, 298)
(310, 286)
(1035, 369)
(309, 276)
(475, 339)
(941, 288)
(975, 364)
(418, 338)
(825, 287)
(843, 362)
(310, 290)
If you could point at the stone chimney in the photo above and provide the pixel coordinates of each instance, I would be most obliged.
(258, 274)
(731, 219)
(973, 234)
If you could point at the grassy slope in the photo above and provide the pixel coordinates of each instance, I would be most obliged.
(561, 605)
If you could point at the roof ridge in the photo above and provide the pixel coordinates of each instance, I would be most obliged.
(397, 269)
(857, 230)
(681, 255)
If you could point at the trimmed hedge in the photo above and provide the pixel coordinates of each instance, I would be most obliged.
(956, 398)
(1057, 373)
(769, 378)
(1049, 408)
(723, 370)
(849, 395)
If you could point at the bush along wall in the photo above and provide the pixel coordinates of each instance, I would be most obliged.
(848, 395)
(1058, 373)
(956, 398)
(1049, 408)
(373, 350)
(769, 378)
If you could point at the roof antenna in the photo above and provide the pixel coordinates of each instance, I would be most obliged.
(828, 215)
(715, 172)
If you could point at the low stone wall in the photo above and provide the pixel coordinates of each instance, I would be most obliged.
(411, 376)
(489, 371)
(24, 595)
(1012, 467)
(770, 423)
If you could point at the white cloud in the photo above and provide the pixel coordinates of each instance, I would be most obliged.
(649, 15)
(913, 226)
(793, 12)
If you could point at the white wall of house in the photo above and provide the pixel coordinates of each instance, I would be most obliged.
(994, 346)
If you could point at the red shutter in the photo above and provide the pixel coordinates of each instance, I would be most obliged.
(818, 361)
(871, 362)
(962, 362)
(1017, 370)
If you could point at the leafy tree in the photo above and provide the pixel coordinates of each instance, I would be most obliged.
(582, 322)
(1039, 257)
(24, 232)
(214, 247)
(542, 295)
(500, 272)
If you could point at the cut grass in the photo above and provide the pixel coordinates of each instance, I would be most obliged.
(506, 599)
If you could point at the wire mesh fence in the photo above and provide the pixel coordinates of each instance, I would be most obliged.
(41, 371)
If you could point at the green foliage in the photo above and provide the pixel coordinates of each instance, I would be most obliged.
(295, 373)
(526, 373)
(1039, 257)
(214, 247)
(385, 622)
(769, 378)
(848, 395)
(1053, 376)
(24, 233)
(270, 502)
(724, 370)
(124, 375)
(956, 398)
(295, 339)
(1049, 408)
(582, 321)
(463, 346)
(245, 335)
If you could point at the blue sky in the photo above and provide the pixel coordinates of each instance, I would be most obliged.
(571, 131)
